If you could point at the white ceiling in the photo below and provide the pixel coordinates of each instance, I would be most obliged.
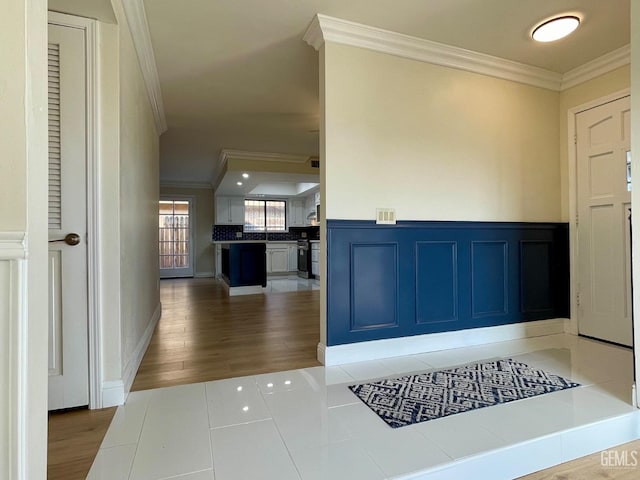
(236, 73)
(98, 9)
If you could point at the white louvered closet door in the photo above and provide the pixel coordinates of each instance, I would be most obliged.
(68, 327)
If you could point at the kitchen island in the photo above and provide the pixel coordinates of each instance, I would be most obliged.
(243, 267)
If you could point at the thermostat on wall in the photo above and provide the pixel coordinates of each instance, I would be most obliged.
(385, 216)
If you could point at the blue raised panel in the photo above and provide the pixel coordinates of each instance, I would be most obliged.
(374, 286)
(436, 282)
(536, 280)
(412, 278)
(489, 277)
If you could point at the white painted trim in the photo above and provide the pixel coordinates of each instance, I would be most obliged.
(601, 65)
(328, 29)
(113, 394)
(134, 363)
(227, 154)
(13, 245)
(204, 275)
(573, 199)
(94, 248)
(395, 347)
(248, 290)
(139, 28)
(206, 186)
(18, 359)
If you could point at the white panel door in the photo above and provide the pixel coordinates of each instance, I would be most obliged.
(68, 328)
(604, 202)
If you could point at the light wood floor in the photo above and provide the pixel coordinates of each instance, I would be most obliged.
(203, 335)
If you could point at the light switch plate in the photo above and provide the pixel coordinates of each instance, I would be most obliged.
(386, 216)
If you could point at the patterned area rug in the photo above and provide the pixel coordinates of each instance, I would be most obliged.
(427, 396)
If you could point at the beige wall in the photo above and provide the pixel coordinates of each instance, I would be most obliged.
(436, 143)
(139, 194)
(204, 252)
(12, 132)
(109, 179)
(611, 82)
(23, 208)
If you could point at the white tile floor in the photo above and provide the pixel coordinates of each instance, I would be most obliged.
(290, 283)
(305, 424)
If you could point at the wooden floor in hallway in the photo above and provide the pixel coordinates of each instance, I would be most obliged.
(203, 335)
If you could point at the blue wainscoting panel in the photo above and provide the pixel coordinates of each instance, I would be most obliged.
(489, 278)
(387, 281)
(536, 289)
(374, 286)
(436, 282)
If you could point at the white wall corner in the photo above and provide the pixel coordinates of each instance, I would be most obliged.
(131, 369)
(395, 347)
(112, 393)
(328, 29)
(321, 352)
(139, 28)
(601, 65)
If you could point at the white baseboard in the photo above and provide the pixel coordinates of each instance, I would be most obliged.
(249, 290)
(112, 393)
(133, 365)
(204, 275)
(395, 347)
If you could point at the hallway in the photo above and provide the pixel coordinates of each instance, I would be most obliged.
(203, 335)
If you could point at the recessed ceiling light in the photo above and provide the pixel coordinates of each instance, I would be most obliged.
(556, 28)
(239, 184)
(245, 175)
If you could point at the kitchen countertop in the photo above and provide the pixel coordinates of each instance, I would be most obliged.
(292, 242)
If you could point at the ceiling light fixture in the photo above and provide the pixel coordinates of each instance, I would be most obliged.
(245, 175)
(555, 29)
(239, 184)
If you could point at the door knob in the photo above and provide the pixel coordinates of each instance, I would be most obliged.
(70, 239)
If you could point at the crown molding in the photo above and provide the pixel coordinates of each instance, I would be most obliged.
(601, 65)
(328, 29)
(139, 28)
(202, 185)
(228, 154)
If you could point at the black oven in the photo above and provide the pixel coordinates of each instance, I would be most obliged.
(304, 259)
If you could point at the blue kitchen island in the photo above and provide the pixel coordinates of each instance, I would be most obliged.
(243, 267)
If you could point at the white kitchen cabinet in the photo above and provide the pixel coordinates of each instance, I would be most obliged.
(297, 213)
(293, 258)
(229, 210)
(277, 258)
(309, 207)
(218, 260)
(315, 259)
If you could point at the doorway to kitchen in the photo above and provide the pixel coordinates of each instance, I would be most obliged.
(175, 236)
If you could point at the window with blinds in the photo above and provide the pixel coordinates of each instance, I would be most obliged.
(55, 160)
(265, 216)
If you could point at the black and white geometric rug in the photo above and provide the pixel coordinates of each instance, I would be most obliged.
(427, 396)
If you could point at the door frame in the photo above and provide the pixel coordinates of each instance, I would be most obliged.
(573, 217)
(94, 300)
(192, 226)
(573, 196)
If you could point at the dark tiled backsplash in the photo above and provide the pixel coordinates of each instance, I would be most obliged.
(228, 232)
